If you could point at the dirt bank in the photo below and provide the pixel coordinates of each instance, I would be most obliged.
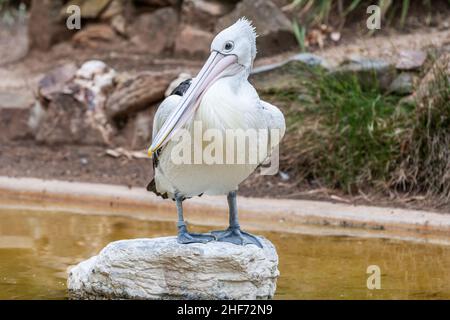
(92, 164)
(292, 216)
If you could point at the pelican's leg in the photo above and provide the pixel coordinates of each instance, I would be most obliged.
(183, 235)
(234, 234)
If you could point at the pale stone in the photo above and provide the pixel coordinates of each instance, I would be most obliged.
(158, 3)
(94, 36)
(155, 32)
(308, 59)
(411, 59)
(403, 84)
(137, 92)
(55, 80)
(370, 72)
(203, 14)
(89, 9)
(193, 41)
(161, 268)
(91, 68)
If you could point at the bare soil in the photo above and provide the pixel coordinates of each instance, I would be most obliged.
(25, 158)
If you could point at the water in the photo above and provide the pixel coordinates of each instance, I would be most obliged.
(37, 247)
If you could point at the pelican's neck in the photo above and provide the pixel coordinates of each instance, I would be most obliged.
(237, 80)
(226, 102)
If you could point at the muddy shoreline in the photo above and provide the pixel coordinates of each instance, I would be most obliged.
(292, 216)
(79, 163)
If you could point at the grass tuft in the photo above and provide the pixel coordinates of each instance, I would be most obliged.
(313, 13)
(344, 135)
(425, 165)
(347, 134)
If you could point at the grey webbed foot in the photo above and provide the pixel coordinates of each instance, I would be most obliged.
(185, 237)
(236, 236)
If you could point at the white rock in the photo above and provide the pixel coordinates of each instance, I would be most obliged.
(95, 78)
(90, 68)
(105, 81)
(161, 268)
(411, 59)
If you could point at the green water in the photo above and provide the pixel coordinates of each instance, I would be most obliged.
(37, 247)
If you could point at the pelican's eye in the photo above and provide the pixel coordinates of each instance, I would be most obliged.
(229, 45)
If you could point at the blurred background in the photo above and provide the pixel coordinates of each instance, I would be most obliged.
(368, 111)
(368, 122)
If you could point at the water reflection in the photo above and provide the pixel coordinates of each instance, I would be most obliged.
(37, 247)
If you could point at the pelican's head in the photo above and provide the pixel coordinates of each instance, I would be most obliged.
(232, 51)
(238, 40)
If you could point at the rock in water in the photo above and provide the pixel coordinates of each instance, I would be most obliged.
(161, 268)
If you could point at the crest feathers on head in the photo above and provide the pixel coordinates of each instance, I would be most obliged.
(245, 26)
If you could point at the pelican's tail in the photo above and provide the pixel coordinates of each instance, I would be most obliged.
(152, 188)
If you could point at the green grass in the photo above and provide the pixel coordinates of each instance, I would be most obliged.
(319, 11)
(300, 34)
(425, 163)
(310, 13)
(348, 133)
(343, 135)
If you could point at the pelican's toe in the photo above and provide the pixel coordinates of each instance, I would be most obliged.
(236, 236)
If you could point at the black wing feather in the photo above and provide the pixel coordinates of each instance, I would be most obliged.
(182, 88)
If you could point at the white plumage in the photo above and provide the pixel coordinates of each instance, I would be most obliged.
(225, 101)
(229, 104)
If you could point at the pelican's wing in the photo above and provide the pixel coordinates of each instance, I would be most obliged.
(275, 123)
(276, 126)
(167, 106)
(164, 110)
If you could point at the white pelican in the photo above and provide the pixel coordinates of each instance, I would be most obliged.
(219, 97)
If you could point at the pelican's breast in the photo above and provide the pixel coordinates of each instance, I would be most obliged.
(226, 105)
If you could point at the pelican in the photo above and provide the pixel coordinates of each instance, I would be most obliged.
(220, 98)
